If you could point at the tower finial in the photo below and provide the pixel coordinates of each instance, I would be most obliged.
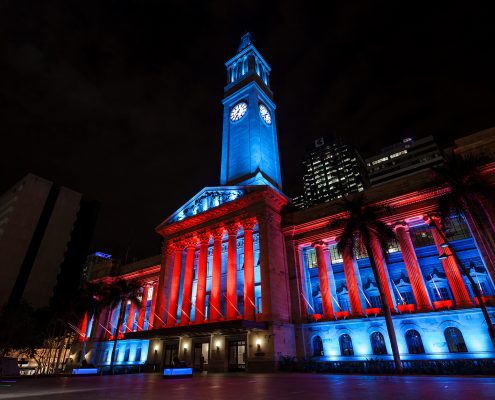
(246, 40)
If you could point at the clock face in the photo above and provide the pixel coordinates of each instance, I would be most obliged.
(238, 111)
(265, 114)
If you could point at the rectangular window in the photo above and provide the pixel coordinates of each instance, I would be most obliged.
(421, 236)
(441, 293)
(311, 259)
(335, 256)
(456, 228)
(375, 301)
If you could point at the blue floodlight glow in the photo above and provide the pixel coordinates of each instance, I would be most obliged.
(84, 371)
(177, 372)
(103, 255)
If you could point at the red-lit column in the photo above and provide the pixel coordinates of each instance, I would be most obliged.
(382, 271)
(185, 317)
(174, 287)
(154, 322)
(249, 300)
(326, 297)
(84, 328)
(413, 271)
(216, 275)
(130, 317)
(232, 230)
(461, 295)
(167, 265)
(142, 309)
(350, 271)
(204, 239)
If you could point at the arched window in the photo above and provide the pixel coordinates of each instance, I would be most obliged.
(455, 340)
(414, 342)
(378, 344)
(346, 345)
(317, 347)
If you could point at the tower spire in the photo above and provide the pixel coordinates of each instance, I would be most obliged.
(246, 40)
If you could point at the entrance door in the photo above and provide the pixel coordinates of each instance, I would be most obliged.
(200, 356)
(171, 352)
(237, 355)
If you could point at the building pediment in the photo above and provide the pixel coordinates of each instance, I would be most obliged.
(212, 202)
(206, 199)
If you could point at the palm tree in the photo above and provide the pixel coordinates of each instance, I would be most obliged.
(120, 293)
(360, 227)
(88, 301)
(469, 190)
(477, 293)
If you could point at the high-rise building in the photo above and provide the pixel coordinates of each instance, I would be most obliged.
(45, 234)
(404, 158)
(331, 170)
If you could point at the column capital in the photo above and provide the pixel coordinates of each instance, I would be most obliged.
(400, 224)
(204, 237)
(179, 245)
(318, 243)
(232, 228)
(168, 249)
(217, 233)
(191, 241)
(433, 220)
(248, 224)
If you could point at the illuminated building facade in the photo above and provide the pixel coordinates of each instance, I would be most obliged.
(405, 158)
(241, 282)
(332, 170)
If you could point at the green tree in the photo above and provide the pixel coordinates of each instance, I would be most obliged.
(360, 227)
(120, 293)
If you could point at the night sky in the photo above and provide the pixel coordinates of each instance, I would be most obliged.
(121, 100)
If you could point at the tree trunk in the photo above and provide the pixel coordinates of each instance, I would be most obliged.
(116, 336)
(480, 222)
(477, 293)
(386, 310)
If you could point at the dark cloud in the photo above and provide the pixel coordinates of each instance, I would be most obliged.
(121, 100)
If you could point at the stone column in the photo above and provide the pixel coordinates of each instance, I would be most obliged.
(84, 328)
(381, 265)
(331, 277)
(185, 317)
(152, 318)
(174, 287)
(232, 230)
(418, 286)
(216, 275)
(130, 317)
(461, 295)
(249, 300)
(204, 239)
(163, 281)
(326, 298)
(351, 272)
(142, 310)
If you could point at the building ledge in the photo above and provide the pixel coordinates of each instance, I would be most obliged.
(235, 326)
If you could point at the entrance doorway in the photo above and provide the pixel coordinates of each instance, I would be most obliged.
(237, 355)
(171, 352)
(200, 356)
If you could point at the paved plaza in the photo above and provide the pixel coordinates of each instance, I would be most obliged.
(247, 386)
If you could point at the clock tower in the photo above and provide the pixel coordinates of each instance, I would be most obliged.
(249, 140)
